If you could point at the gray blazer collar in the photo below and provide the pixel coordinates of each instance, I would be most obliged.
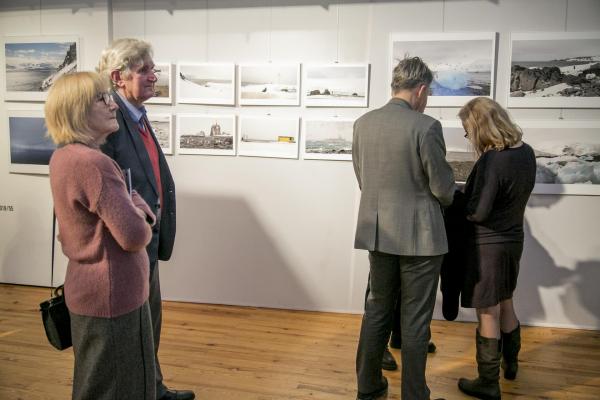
(400, 102)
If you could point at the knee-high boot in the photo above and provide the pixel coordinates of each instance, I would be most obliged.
(511, 344)
(485, 386)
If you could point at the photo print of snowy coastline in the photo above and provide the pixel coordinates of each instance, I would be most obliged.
(459, 152)
(162, 126)
(206, 83)
(462, 63)
(336, 85)
(162, 87)
(268, 136)
(567, 155)
(33, 64)
(327, 139)
(269, 84)
(555, 69)
(30, 147)
(206, 134)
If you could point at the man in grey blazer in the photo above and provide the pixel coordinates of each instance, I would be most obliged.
(129, 65)
(399, 160)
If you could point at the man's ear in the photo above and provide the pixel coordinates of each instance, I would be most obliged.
(422, 89)
(115, 77)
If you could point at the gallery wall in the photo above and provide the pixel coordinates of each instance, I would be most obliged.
(279, 232)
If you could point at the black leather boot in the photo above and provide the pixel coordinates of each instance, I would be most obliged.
(388, 362)
(485, 386)
(511, 344)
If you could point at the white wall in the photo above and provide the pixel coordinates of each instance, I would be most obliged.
(279, 233)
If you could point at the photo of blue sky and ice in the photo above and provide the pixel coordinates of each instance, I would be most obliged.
(269, 84)
(327, 139)
(206, 83)
(268, 136)
(30, 147)
(336, 85)
(34, 67)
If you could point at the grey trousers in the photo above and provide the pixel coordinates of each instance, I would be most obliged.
(416, 278)
(155, 302)
(114, 357)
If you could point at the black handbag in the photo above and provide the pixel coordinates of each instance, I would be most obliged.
(55, 314)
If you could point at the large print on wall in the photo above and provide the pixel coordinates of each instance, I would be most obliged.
(327, 139)
(269, 84)
(336, 85)
(30, 147)
(206, 134)
(268, 137)
(162, 126)
(32, 64)
(555, 69)
(462, 63)
(162, 87)
(206, 83)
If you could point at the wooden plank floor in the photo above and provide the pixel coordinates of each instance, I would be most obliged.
(244, 353)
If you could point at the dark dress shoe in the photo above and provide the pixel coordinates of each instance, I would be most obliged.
(431, 347)
(178, 395)
(378, 394)
(388, 361)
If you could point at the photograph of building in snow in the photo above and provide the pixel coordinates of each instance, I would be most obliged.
(459, 152)
(206, 134)
(462, 63)
(30, 147)
(555, 70)
(567, 154)
(206, 83)
(162, 127)
(162, 87)
(336, 85)
(268, 137)
(327, 139)
(269, 84)
(32, 65)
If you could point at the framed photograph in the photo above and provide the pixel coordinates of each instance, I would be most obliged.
(162, 87)
(206, 83)
(30, 147)
(327, 139)
(336, 85)
(555, 69)
(567, 154)
(206, 134)
(33, 64)
(463, 63)
(268, 136)
(459, 152)
(162, 125)
(269, 84)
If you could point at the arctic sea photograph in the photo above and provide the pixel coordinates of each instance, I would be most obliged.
(328, 139)
(28, 141)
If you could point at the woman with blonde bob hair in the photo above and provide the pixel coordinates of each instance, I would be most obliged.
(496, 193)
(104, 230)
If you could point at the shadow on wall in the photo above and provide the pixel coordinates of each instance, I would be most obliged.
(224, 255)
(579, 297)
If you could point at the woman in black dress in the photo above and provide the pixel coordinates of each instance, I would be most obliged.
(496, 192)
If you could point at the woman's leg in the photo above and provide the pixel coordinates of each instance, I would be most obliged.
(508, 317)
(489, 318)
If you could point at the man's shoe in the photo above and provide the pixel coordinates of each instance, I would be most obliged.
(431, 347)
(178, 395)
(388, 362)
(378, 394)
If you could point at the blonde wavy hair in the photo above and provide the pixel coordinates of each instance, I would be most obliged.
(488, 125)
(123, 55)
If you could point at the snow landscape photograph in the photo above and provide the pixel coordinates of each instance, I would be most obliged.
(269, 84)
(206, 134)
(327, 139)
(268, 136)
(162, 127)
(32, 65)
(555, 70)
(462, 63)
(336, 85)
(30, 147)
(206, 83)
(162, 87)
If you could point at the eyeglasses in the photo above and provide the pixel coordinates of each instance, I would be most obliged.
(107, 98)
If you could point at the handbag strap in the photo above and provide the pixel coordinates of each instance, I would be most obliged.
(52, 260)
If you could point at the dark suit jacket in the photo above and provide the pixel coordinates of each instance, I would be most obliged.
(126, 147)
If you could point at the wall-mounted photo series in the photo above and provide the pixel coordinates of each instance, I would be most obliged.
(555, 69)
(30, 147)
(268, 136)
(162, 125)
(327, 139)
(463, 63)
(33, 63)
(206, 83)
(269, 84)
(336, 85)
(206, 134)
(162, 87)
